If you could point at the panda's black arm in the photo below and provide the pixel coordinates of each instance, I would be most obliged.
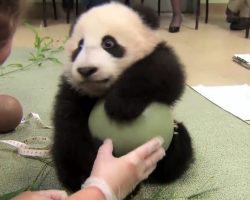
(74, 149)
(159, 77)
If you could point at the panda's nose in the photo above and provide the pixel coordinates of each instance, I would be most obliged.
(86, 71)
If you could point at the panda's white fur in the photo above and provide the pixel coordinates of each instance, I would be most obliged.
(137, 38)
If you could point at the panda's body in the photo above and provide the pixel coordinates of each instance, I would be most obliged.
(116, 56)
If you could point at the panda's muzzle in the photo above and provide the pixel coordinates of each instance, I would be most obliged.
(86, 72)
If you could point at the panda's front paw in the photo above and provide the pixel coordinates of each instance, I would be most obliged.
(124, 110)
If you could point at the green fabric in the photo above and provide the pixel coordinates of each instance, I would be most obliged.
(220, 140)
(35, 88)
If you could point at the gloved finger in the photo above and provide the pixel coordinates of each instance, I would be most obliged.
(146, 149)
(152, 160)
(105, 151)
(147, 172)
(54, 194)
(147, 166)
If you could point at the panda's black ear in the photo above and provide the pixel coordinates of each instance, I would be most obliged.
(148, 16)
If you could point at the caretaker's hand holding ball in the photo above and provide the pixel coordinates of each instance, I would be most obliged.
(124, 173)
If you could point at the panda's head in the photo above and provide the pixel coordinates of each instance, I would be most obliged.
(104, 42)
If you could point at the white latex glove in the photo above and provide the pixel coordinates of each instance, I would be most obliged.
(42, 195)
(124, 173)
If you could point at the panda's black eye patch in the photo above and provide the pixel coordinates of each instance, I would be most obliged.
(110, 45)
(77, 50)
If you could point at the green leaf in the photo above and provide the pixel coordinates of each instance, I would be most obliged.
(36, 182)
(50, 40)
(32, 55)
(45, 49)
(37, 43)
(10, 195)
(41, 56)
(38, 51)
(65, 39)
(202, 194)
(19, 65)
(161, 195)
(54, 60)
(59, 49)
(32, 28)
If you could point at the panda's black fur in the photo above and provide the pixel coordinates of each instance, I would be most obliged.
(158, 77)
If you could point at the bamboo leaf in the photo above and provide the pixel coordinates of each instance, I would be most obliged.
(32, 55)
(59, 49)
(10, 195)
(50, 40)
(65, 40)
(45, 49)
(37, 43)
(32, 28)
(54, 60)
(18, 65)
(159, 195)
(202, 193)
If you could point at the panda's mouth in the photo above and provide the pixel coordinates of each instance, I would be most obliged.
(97, 81)
(102, 80)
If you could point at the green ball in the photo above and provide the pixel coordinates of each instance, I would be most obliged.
(156, 120)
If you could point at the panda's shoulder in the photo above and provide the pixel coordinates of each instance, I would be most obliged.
(161, 53)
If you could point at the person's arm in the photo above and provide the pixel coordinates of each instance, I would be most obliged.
(88, 193)
(42, 195)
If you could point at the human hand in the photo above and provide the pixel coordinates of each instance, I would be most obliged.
(124, 173)
(42, 195)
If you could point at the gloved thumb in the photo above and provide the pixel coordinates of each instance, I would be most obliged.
(106, 150)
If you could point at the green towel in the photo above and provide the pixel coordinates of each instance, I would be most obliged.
(220, 140)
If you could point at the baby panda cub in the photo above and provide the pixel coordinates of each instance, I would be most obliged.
(115, 54)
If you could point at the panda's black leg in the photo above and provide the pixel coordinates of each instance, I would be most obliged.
(178, 157)
(74, 161)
